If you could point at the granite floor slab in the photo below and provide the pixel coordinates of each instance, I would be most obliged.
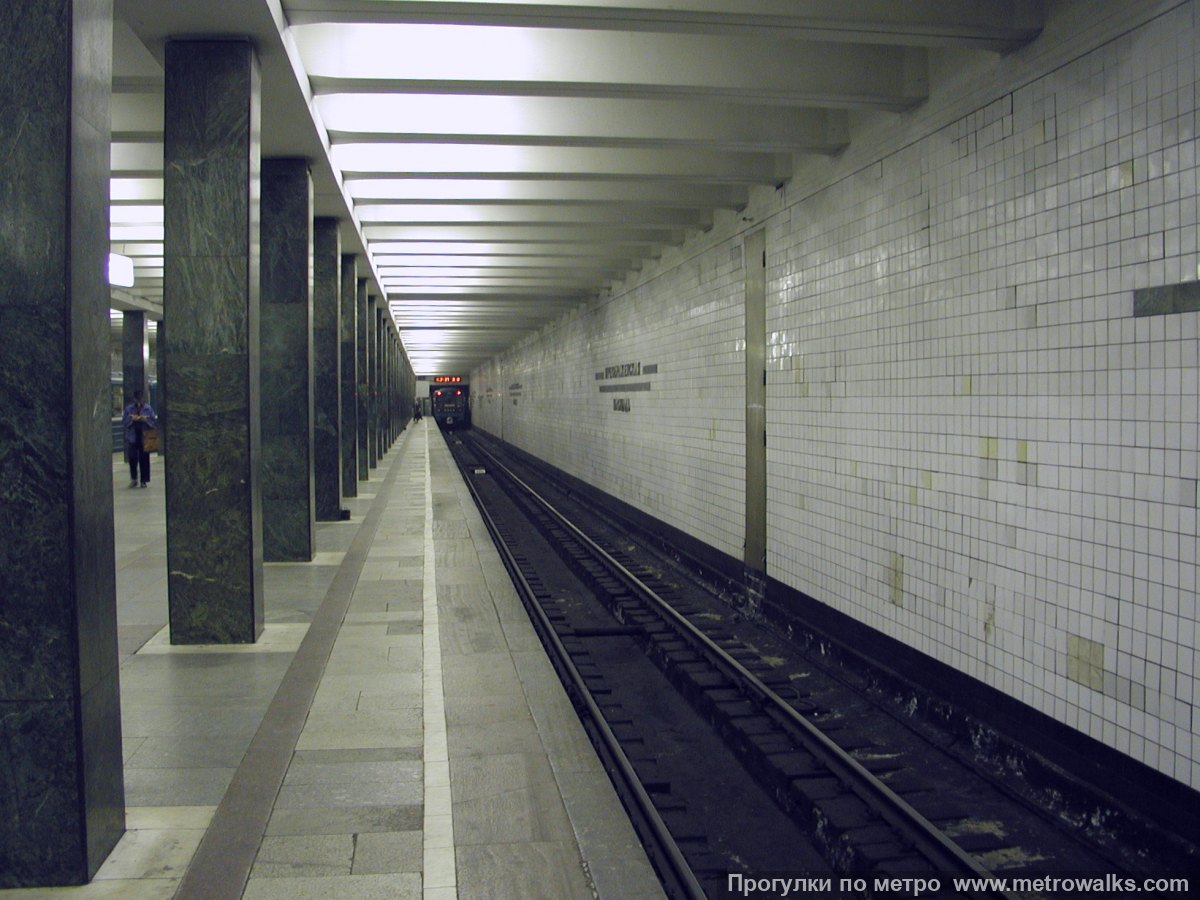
(396, 733)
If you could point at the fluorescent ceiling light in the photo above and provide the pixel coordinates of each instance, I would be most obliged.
(386, 261)
(127, 233)
(141, 249)
(135, 189)
(432, 306)
(421, 114)
(443, 291)
(120, 270)
(406, 51)
(135, 215)
(420, 212)
(433, 248)
(449, 272)
(428, 158)
(431, 189)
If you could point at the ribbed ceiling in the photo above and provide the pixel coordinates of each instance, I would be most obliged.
(496, 163)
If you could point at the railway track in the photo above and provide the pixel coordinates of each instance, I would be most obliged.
(839, 790)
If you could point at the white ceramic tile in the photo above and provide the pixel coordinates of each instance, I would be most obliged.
(955, 380)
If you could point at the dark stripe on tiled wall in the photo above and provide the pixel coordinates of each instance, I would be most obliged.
(1170, 298)
(623, 388)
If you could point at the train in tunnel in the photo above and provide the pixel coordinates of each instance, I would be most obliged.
(450, 406)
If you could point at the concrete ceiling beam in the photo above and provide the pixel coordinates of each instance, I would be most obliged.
(984, 24)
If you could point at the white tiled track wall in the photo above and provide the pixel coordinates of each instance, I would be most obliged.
(973, 444)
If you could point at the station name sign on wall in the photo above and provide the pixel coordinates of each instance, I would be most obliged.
(620, 373)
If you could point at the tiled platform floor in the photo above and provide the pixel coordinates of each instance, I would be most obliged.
(396, 733)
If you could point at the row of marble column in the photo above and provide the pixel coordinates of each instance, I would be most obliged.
(281, 379)
(251, 354)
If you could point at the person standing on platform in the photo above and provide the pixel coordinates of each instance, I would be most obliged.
(416, 410)
(139, 418)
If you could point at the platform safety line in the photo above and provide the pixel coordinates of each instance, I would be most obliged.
(439, 879)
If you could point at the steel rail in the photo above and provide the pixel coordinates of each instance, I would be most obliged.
(684, 878)
(930, 840)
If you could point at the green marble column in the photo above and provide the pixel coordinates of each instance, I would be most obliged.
(404, 390)
(327, 424)
(404, 396)
(410, 384)
(388, 383)
(160, 394)
(286, 311)
(381, 343)
(364, 382)
(376, 385)
(389, 360)
(372, 383)
(381, 393)
(389, 375)
(211, 352)
(62, 804)
(401, 410)
(135, 355)
(349, 387)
